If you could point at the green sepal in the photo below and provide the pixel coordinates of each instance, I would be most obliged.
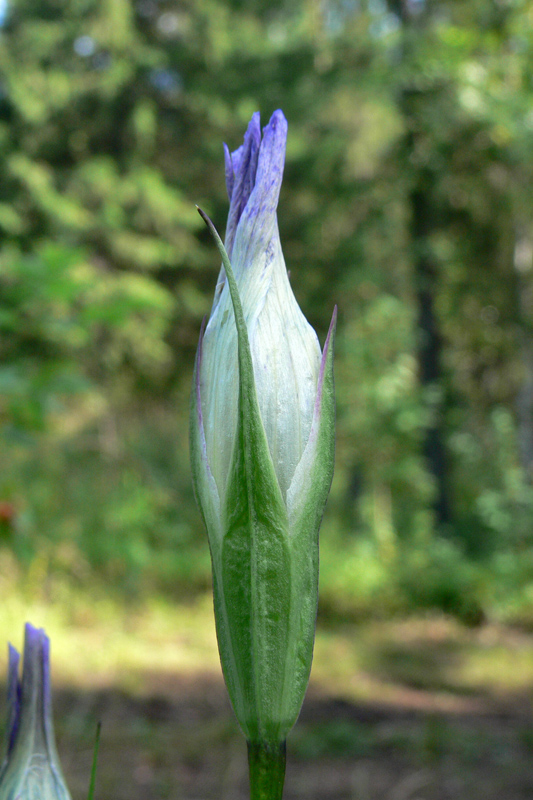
(306, 500)
(204, 484)
(252, 573)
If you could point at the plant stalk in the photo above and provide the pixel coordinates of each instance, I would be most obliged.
(266, 763)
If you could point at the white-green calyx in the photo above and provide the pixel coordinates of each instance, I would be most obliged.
(262, 449)
(31, 768)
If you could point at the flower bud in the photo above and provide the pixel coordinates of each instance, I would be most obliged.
(31, 769)
(285, 349)
(262, 447)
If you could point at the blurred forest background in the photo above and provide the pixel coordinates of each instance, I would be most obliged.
(407, 200)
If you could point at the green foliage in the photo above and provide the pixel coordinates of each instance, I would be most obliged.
(112, 115)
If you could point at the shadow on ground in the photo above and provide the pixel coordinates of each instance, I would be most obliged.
(181, 741)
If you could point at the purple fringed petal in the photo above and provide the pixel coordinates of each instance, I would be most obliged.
(13, 698)
(228, 168)
(270, 167)
(32, 637)
(258, 219)
(30, 663)
(36, 690)
(241, 167)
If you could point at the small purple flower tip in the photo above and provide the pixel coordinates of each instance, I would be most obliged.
(241, 167)
(31, 766)
(253, 175)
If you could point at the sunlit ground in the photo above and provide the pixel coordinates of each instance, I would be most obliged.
(422, 661)
(418, 708)
(99, 643)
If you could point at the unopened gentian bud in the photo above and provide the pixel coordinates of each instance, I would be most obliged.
(262, 450)
(31, 769)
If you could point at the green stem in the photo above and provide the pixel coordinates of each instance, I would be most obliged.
(267, 770)
(95, 759)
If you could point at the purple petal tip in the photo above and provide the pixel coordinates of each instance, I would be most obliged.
(278, 119)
